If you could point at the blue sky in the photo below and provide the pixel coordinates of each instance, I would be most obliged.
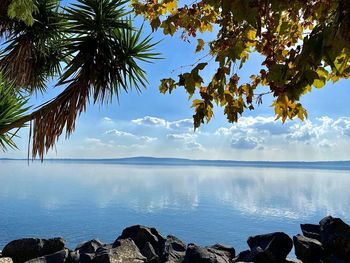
(153, 124)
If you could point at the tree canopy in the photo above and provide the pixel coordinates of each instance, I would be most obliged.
(304, 44)
(91, 48)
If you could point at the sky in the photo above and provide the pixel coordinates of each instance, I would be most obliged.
(158, 125)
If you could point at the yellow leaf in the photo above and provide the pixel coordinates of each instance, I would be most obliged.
(170, 6)
(200, 45)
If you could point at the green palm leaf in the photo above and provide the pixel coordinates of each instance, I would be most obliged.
(12, 108)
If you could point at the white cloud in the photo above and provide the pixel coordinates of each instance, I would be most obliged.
(252, 124)
(245, 143)
(186, 124)
(194, 146)
(119, 133)
(130, 135)
(150, 121)
(178, 125)
(181, 136)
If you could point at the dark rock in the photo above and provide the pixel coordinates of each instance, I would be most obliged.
(222, 251)
(256, 255)
(335, 259)
(275, 245)
(308, 250)
(73, 257)
(335, 237)
(174, 250)
(196, 254)
(150, 254)
(292, 260)
(86, 257)
(141, 235)
(89, 246)
(58, 257)
(123, 250)
(25, 249)
(311, 231)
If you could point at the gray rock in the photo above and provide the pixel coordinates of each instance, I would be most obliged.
(123, 250)
(196, 254)
(58, 257)
(5, 260)
(174, 250)
(89, 246)
(311, 231)
(276, 246)
(308, 250)
(335, 237)
(292, 260)
(22, 250)
(150, 254)
(141, 235)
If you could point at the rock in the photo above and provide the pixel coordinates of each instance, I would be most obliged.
(141, 235)
(335, 237)
(5, 260)
(123, 250)
(257, 255)
(335, 259)
(274, 245)
(58, 257)
(311, 231)
(89, 246)
(150, 254)
(73, 257)
(196, 254)
(308, 250)
(292, 260)
(222, 251)
(174, 250)
(25, 249)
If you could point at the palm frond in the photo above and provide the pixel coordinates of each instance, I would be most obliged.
(33, 53)
(12, 108)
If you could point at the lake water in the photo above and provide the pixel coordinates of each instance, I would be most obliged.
(204, 205)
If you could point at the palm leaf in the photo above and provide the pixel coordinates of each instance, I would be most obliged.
(12, 108)
(33, 53)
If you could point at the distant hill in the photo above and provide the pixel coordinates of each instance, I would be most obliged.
(333, 165)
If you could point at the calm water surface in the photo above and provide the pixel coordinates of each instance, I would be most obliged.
(204, 205)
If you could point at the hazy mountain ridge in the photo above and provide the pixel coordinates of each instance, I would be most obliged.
(334, 165)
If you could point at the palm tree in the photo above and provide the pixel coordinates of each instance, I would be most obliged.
(100, 50)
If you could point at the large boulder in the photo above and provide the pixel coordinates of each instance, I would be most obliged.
(89, 246)
(58, 257)
(275, 246)
(22, 250)
(214, 254)
(150, 254)
(174, 250)
(335, 237)
(311, 231)
(256, 255)
(141, 235)
(307, 249)
(123, 250)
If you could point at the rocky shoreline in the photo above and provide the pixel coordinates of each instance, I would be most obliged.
(326, 242)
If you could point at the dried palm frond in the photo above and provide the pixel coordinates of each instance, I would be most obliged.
(33, 53)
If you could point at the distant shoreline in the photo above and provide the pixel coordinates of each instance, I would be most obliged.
(323, 165)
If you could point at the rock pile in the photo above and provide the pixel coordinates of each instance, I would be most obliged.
(326, 242)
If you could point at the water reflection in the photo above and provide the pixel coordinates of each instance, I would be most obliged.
(210, 195)
(269, 192)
